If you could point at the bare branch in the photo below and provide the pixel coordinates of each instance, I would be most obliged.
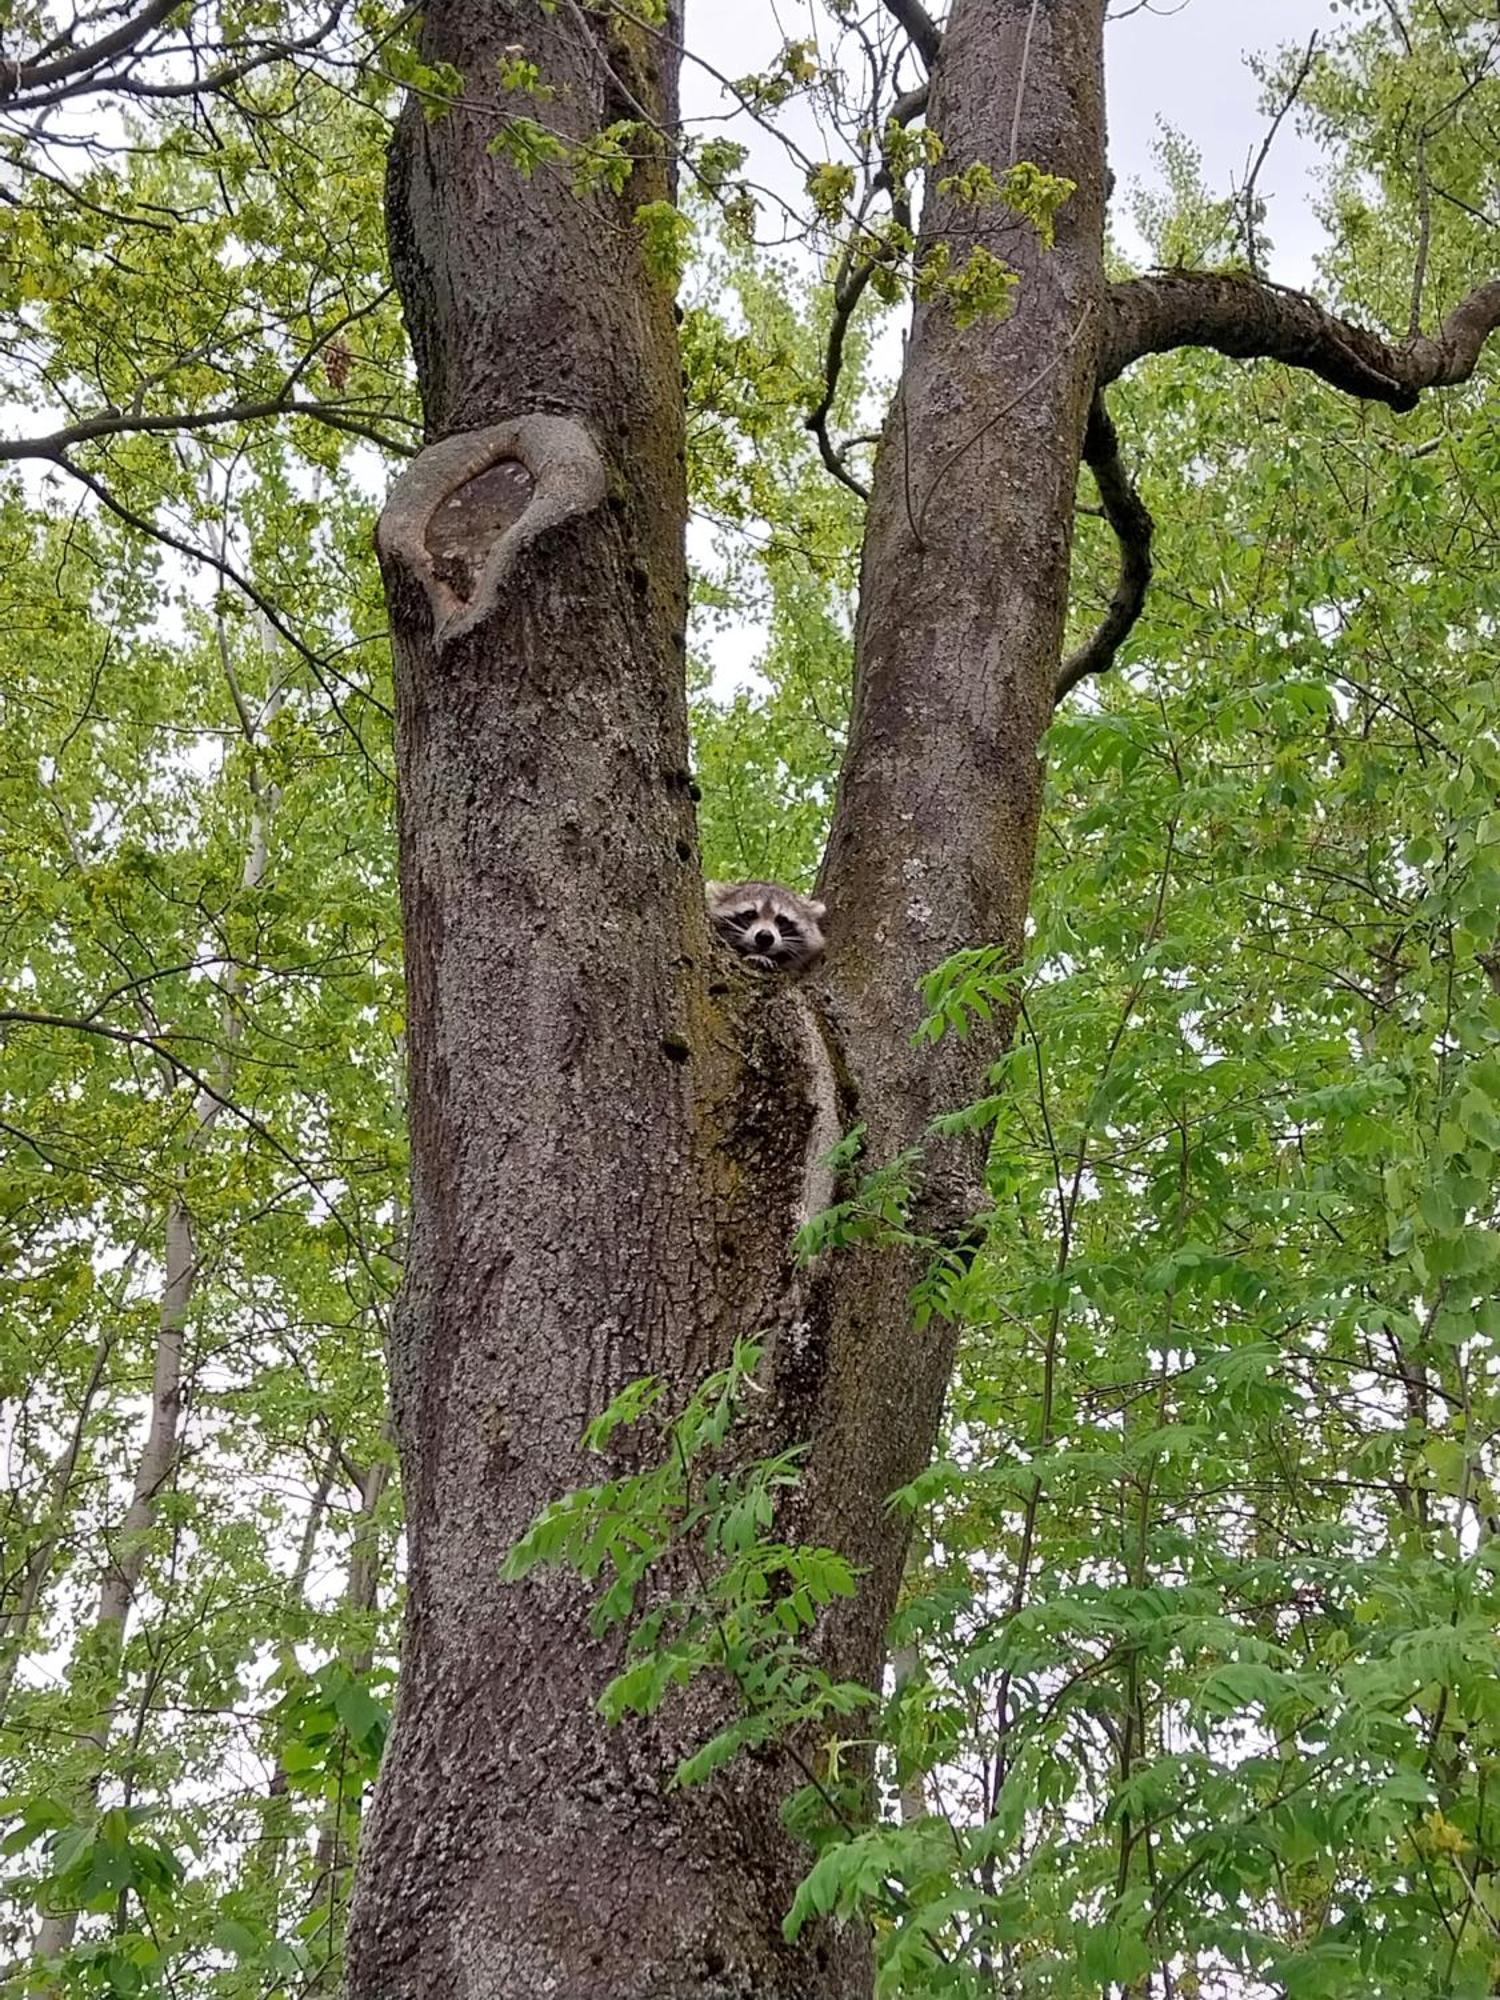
(1245, 318)
(115, 423)
(1247, 197)
(925, 34)
(1013, 154)
(19, 77)
(1127, 515)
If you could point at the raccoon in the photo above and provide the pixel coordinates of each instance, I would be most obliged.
(775, 929)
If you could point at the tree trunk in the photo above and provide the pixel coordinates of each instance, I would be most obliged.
(333, 1853)
(957, 643)
(611, 1129)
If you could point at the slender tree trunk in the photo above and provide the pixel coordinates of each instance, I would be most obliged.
(333, 1856)
(104, 1646)
(267, 1861)
(610, 1128)
(15, 1622)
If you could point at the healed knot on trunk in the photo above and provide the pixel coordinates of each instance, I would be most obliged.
(459, 517)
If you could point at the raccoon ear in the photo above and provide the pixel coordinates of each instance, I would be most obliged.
(817, 911)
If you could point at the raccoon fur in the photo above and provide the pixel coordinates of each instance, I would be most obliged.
(773, 928)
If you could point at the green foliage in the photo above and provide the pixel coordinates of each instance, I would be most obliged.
(666, 239)
(1196, 1667)
(785, 551)
(202, 1020)
(692, 1571)
(795, 69)
(983, 286)
(527, 145)
(1024, 188)
(1203, 1623)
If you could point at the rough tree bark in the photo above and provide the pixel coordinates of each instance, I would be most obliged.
(610, 1127)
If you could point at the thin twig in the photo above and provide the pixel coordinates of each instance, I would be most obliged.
(1424, 237)
(321, 670)
(1247, 199)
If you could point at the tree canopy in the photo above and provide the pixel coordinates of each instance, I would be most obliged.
(1195, 1687)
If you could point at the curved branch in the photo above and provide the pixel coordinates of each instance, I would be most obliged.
(846, 296)
(1126, 513)
(1243, 317)
(848, 289)
(925, 35)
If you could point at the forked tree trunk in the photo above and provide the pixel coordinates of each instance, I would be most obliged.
(612, 1131)
(610, 1127)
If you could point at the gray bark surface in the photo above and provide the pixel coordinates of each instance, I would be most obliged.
(962, 601)
(607, 1122)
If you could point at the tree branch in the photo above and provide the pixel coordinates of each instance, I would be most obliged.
(166, 1053)
(118, 423)
(848, 290)
(77, 76)
(1244, 318)
(323, 670)
(20, 77)
(1127, 515)
(1248, 197)
(925, 35)
(849, 283)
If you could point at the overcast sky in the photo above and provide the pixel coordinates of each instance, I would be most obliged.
(1189, 69)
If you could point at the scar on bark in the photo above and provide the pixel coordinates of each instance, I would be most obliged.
(458, 518)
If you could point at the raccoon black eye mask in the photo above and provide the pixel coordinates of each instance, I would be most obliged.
(773, 928)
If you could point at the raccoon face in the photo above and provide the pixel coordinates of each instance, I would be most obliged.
(774, 928)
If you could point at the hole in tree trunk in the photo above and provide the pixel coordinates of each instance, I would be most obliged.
(471, 520)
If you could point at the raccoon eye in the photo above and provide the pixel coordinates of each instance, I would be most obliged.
(742, 919)
(788, 928)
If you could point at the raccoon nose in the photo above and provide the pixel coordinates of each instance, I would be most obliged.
(764, 940)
